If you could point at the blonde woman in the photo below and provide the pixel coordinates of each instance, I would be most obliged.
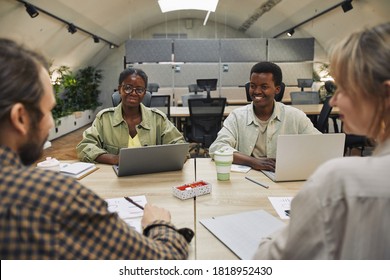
(343, 210)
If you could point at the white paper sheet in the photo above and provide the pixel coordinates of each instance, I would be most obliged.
(240, 168)
(130, 213)
(281, 204)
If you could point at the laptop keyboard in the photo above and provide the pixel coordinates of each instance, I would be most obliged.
(270, 174)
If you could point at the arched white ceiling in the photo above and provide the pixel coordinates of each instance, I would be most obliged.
(119, 20)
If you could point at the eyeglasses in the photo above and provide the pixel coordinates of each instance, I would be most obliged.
(129, 89)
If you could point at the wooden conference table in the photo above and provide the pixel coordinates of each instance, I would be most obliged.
(227, 197)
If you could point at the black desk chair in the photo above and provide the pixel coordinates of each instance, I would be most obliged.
(323, 119)
(186, 97)
(353, 141)
(161, 102)
(330, 88)
(116, 99)
(206, 120)
(278, 96)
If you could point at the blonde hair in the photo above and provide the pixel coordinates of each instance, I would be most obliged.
(360, 65)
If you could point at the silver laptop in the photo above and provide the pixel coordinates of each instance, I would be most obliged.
(151, 159)
(298, 155)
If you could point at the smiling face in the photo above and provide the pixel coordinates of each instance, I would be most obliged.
(262, 89)
(132, 99)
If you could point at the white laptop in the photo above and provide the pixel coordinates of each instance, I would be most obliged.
(151, 159)
(298, 155)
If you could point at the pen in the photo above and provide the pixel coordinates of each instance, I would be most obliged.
(133, 202)
(256, 182)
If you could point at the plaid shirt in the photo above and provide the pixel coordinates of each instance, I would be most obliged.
(45, 215)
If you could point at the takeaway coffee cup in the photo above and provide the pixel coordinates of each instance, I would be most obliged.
(50, 164)
(223, 161)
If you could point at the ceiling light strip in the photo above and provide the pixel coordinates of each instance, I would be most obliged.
(176, 5)
(112, 45)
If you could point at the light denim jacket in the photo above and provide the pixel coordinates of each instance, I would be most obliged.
(109, 132)
(241, 129)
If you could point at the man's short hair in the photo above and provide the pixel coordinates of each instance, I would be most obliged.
(20, 79)
(268, 67)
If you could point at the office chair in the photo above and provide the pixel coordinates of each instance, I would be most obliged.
(322, 122)
(147, 99)
(186, 97)
(353, 141)
(359, 142)
(206, 120)
(195, 89)
(278, 96)
(153, 87)
(116, 99)
(161, 102)
(330, 88)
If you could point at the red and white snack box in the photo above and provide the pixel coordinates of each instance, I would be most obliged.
(193, 189)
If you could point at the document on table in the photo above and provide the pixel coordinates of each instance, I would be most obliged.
(240, 168)
(242, 232)
(281, 205)
(77, 170)
(130, 213)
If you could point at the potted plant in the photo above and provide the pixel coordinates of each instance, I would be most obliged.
(77, 97)
(319, 77)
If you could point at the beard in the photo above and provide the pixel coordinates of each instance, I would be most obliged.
(32, 151)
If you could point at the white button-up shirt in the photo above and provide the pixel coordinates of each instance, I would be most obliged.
(241, 128)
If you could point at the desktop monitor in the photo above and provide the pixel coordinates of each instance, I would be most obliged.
(207, 84)
(305, 83)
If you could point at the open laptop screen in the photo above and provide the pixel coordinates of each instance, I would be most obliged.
(298, 155)
(151, 159)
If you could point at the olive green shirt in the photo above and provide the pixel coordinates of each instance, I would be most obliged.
(109, 132)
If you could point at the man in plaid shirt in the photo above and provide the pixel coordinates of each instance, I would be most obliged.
(43, 214)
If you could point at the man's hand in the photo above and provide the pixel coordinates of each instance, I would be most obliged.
(255, 163)
(153, 213)
(264, 164)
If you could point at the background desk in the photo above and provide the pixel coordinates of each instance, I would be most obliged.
(177, 112)
(227, 197)
(308, 109)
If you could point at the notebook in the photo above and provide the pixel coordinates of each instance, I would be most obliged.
(242, 232)
(298, 155)
(77, 170)
(151, 159)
